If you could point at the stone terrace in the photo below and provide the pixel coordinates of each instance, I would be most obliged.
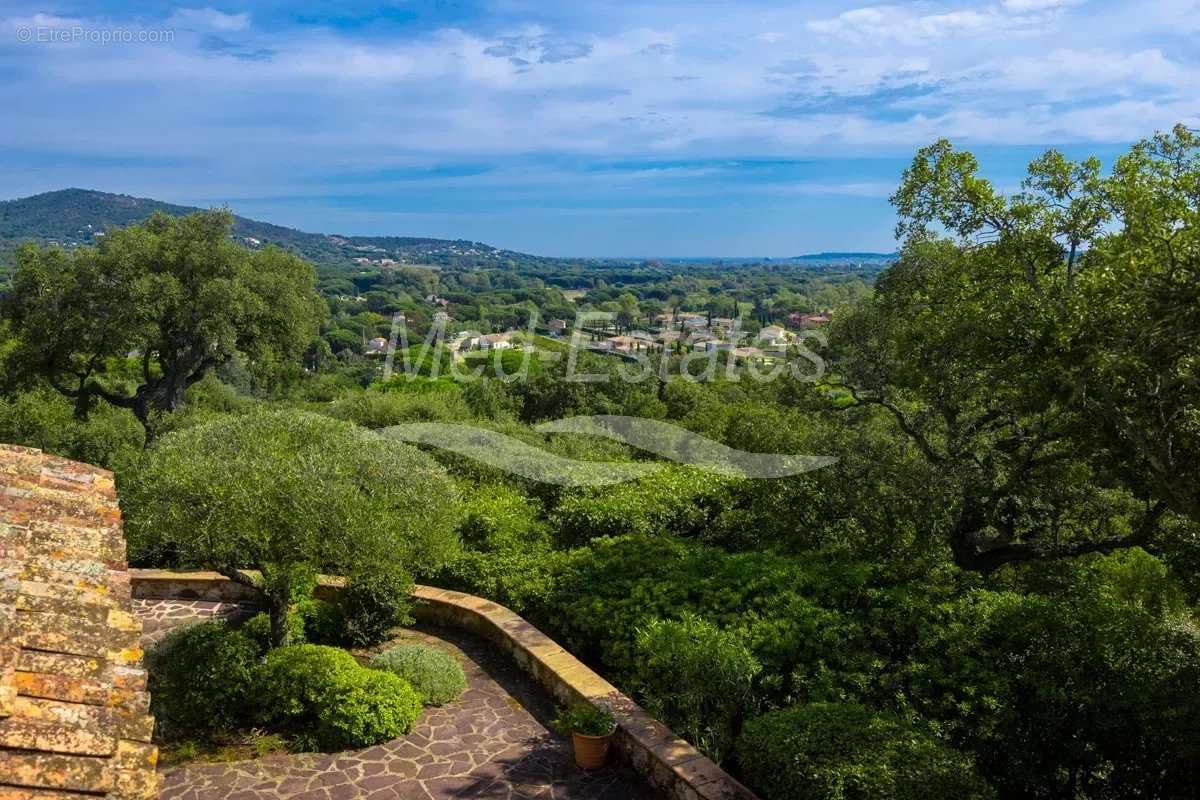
(491, 743)
(73, 705)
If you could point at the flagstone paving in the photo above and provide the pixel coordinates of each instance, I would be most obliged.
(160, 616)
(493, 742)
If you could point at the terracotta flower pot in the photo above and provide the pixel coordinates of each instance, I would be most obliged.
(591, 752)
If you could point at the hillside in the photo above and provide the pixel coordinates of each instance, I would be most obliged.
(73, 217)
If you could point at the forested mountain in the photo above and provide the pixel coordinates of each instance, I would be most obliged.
(72, 217)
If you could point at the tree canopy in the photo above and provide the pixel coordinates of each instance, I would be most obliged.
(176, 295)
(289, 494)
(1041, 349)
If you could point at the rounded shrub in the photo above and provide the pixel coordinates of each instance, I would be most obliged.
(326, 699)
(201, 680)
(829, 751)
(435, 674)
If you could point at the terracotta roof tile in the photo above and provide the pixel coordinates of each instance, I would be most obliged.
(74, 719)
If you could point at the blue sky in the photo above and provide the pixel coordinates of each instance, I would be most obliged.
(673, 128)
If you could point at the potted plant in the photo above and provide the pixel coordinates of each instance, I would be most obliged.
(591, 728)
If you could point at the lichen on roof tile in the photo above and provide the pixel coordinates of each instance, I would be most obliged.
(73, 702)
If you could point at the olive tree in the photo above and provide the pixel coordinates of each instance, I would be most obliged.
(271, 498)
(143, 316)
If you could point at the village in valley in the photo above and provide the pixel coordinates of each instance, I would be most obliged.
(674, 333)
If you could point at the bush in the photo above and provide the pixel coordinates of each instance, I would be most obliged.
(327, 699)
(696, 678)
(258, 630)
(323, 622)
(375, 410)
(829, 751)
(498, 517)
(375, 603)
(435, 674)
(201, 680)
(677, 500)
(43, 418)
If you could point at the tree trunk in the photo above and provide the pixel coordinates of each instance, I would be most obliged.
(280, 635)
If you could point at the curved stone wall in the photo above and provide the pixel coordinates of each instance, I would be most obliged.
(669, 763)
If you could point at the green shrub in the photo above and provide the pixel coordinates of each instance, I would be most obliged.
(323, 622)
(258, 630)
(585, 719)
(375, 603)
(498, 517)
(523, 581)
(43, 418)
(325, 698)
(677, 500)
(201, 680)
(375, 409)
(829, 751)
(435, 674)
(697, 678)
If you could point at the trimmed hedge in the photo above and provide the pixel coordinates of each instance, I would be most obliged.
(328, 700)
(831, 751)
(435, 674)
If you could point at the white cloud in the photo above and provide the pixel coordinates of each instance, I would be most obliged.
(1023, 6)
(209, 19)
(273, 104)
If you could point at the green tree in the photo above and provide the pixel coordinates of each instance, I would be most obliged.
(1044, 358)
(176, 295)
(288, 494)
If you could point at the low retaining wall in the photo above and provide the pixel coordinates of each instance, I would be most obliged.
(667, 762)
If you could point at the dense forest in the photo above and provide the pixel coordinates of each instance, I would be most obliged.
(992, 593)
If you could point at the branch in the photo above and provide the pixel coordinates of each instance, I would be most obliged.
(239, 576)
(989, 559)
(120, 400)
(913, 433)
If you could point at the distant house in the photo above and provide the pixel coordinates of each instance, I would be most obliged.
(773, 336)
(708, 344)
(748, 352)
(621, 344)
(556, 326)
(495, 341)
(772, 332)
(377, 346)
(800, 320)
